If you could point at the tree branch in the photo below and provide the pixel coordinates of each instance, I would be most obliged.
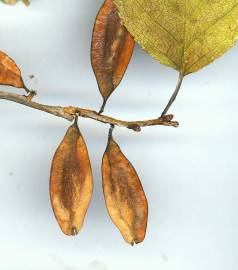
(69, 113)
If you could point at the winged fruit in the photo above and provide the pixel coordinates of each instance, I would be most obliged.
(71, 182)
(111, 50)
(124, 195)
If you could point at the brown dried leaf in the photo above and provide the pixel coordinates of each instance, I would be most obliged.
(112, 48)
(10, 74)
(71, 182)
(124, 195)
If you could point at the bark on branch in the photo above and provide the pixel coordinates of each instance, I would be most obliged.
(70, 112)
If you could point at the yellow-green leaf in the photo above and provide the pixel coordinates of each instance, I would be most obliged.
(183, 34)
(12, 2)
(26, 2)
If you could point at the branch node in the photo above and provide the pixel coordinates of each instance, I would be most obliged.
(30, 96)
(71, 110)
(167, 117)
(134, 127)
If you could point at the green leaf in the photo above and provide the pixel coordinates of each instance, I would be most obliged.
(183, 34)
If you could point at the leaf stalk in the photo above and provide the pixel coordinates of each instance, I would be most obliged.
(175, 93)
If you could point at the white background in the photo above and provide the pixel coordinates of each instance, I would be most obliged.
(189, 174)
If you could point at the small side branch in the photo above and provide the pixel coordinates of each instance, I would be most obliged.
(69, 113)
